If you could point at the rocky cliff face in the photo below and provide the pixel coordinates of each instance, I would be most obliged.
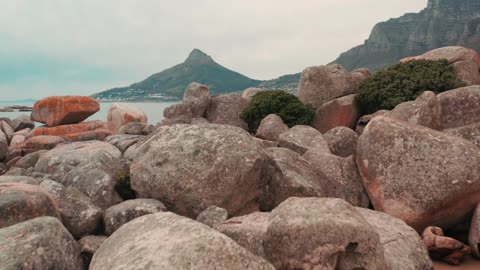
(442, 23)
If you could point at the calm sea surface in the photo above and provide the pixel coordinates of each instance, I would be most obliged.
(154, 111)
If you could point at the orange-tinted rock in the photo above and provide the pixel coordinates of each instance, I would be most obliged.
(20, 202)
(121, 114)
(343, 111)
(445, 248)
(62, 110)
(42, 142)
(95, 130)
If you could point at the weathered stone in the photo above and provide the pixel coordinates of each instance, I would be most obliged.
(88, 246)
(3, 146)
(212, 216)
(417, 174)
(321, 84)
(452, 54)
(425, 111)
(136, 128)
(474, 234)
(271, 127)
(19, 179)
(180, 164)
(460, 107)
(339, 177)
(7, 130)
(403, 247)
(43, 142)
(364, 120)
(20, 202)
(248, 93)
(3, 168)
(64, 110)
(445, 248)
(344, 111)
(248, 231)
(123, 141)
(303, 138)
(12, 162)
(120, 214)
(185, 244)
(342, 141)
(321, 233)
(197, 96)
(16, 141)
(178, 111)
(468, 72)
(287, 174)
(225, 109)
(40, 243)
(359, 75)
(120, 114)
(22, 122)
(23, 132)
(94, 130)
(469, 132)
(265, 143)
(79, 215)
(30, 160)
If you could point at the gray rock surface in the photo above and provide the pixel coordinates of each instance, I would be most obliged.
(197, 97)
(212, 216)
(342, 141)
(301, 138)
(425, 111)
(271, 127)
(225, 109)
(460, 107)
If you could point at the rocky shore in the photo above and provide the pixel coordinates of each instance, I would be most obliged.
(393, 190)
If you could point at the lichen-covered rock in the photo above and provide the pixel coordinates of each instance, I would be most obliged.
(271, 127)
(342, 141)
(460, 107)
(20, 202)
(321, 233)
(248, 231)
(185, 244)
(417, 174)
(403, 247)
(287, 174)
(79, 215)
(22, 122)
(425, 111)
(340, 177)
(63, 110)
(212, 216)
(197, 97)
(225, 109)
(301, 138)
(195, 166)
(121, 114)
(321, 84)
(474, 234)
(40, 243)
(120, 214)
(123, 141)
(85, 131)
(444, 248)
(343, 111)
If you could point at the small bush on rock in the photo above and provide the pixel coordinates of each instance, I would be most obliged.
(287, 106)
(404, 82)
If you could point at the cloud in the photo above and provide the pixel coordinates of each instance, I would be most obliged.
(94, 45)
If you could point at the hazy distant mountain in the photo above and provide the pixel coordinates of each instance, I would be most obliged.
(171, 83)
(442, 23)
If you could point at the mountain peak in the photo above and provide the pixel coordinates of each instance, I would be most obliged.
(198, 57)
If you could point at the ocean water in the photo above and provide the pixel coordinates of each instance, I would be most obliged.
(154, 110)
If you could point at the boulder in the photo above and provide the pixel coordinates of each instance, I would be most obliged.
(321, 233)
(63, 110)
(3, 146)
(123, 141)
(425, 111)
(18, 179)
(265, 143)
(43, 142)
(120, 114)
(7, 130)
(469, 132)
(248, 231)
(444, 248)
(321, 84)
(20, 202)
(79, 215)
(12, 162)
(136, 128)
(364, 120)
(30, 160)
(417, 174)
(185, 244)
(22, 122)
(286, 175)
(460, 107)
(303, 138)
(340, 177)
(24, 132)
(359, 75)
(271, 127)
(342, 141)
(468, 72)
(88, 246)
(403, 247)
(40, 243)
(225, 109)
(344, 111)
(474, 234)
(197, 97)
(452, 54)
(195, 166)
(16, 141)
(94, 130)
(120, 214)
(212, 216)
(248, 93)
(177, 114)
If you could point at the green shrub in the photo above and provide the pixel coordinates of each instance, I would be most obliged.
(404, 82)
(287, 106)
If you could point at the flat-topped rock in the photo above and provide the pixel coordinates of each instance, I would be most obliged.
(62, 110)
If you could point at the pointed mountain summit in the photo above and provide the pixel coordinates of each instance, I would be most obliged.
(171, 83)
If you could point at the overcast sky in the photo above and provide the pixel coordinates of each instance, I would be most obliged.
(59, 47)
